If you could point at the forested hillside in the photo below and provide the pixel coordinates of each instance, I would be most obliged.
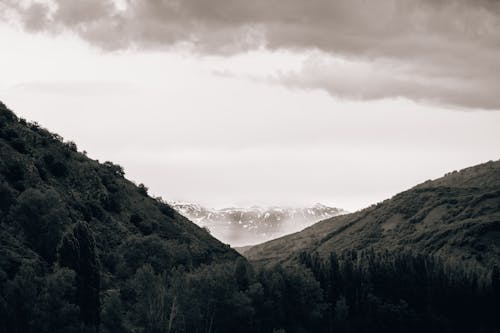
(425, 260)
(456, 217)
(72, 225)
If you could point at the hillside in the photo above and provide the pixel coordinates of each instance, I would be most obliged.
(84, 250)
(252, 225)
(65, 217)
(456, 217)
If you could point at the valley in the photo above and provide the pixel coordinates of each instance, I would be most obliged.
(84, 249)
(252, 225)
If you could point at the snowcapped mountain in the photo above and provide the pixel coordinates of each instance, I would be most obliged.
(243, 226)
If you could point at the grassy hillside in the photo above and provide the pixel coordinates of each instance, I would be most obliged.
(457, 217)
(66, 219)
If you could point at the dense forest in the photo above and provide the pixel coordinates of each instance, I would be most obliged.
(83, 249)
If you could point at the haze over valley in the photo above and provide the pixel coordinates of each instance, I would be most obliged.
(253, 225)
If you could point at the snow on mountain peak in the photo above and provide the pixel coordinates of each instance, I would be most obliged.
(250, 225)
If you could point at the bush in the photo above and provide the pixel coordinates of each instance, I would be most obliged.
(7, 198)
(72, 146)
(8, 134)
(111, 313)
(16, 172)
(6, 114)
(19, 145)
(42, 217)
(116, 169)
(143, 189)
(57, 168)
(112, 203)
(135, 219)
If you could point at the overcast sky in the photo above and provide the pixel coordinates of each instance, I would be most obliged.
(237, 102)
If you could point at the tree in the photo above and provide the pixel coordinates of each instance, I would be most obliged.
(242, 273)
(21, 296)
(151, 307)
(42, 217)
(143, 189)
(111, 313)
(78, 252)
(116, 169)
(57, 310)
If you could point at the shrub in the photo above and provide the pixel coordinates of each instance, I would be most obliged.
(14, 170)
(116, 169)
(42, 217)
(19, 145)
(111, 313)
(7, 197)
(72, 146)
(143, 189)
(135, 219)
(57, 168)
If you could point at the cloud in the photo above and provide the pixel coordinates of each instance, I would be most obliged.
(383, 79)
(449, 49)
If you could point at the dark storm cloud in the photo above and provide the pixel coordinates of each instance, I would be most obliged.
(449, 49)
(392, 79)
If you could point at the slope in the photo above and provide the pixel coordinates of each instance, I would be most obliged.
(69, 221)
(456, 216)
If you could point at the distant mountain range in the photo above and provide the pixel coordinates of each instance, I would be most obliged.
(252, 225)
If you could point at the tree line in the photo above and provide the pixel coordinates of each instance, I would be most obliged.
(352, 292)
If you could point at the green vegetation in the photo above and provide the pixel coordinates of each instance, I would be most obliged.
(404, 292)
(457, 217)
(75, 233)
(82, 249)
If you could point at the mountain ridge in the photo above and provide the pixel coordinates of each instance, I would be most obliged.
(241, 226)
(73, 230)
(457, 216)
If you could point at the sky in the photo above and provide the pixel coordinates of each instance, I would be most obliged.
(234, 102)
